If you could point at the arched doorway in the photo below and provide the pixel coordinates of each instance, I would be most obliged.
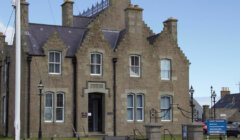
(95, 112)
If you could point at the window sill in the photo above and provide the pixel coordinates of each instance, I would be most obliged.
(48, 121)
(133, 76)
(166, 120)
(59, 121)
(96, 75)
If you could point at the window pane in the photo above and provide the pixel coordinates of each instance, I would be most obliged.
(48, 100)
(57, 55)
(59, 100)
(98, 58)
(130, 100)
(139, 114)
(132, 61)
(93, 58)
(139, 101)
(48, 114)
(51, 57)
(93, 69)
(165, 114)
(129, 114)
(98, 69)
(137, 61)
(57, 68)
(51, 68)
(59, 114)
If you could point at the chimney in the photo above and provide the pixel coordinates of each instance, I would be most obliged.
(67, 13)
(24, 15)
(2, 39)
(225, 91)
(133, 19)
(171, 26)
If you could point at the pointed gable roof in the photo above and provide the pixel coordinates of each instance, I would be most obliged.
(72, 37)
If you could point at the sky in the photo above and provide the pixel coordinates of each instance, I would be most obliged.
(208, 34)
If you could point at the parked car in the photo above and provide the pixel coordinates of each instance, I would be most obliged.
(205, 128)
(233, 129)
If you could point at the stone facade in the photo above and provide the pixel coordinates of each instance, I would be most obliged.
(138, 39)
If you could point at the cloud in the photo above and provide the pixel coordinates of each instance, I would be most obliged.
(9, 33)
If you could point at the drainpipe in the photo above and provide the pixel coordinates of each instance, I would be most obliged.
(74, 62)
(114, 95)
(7, 95)
(29, 59)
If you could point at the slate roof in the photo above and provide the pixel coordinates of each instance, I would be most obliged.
(151, 39)
(80, 21)
(230, 101)
(72, 37)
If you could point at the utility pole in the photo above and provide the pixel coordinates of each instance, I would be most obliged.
(18, 71)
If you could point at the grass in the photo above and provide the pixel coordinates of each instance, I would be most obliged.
(166, 138)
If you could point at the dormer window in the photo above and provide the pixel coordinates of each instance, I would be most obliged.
(54, 62)
(96, 64)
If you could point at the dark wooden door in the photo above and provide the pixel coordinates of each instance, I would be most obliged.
(95, 113)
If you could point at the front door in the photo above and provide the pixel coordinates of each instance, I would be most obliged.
(95, 112)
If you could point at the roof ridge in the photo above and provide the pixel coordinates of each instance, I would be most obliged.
(57, 26)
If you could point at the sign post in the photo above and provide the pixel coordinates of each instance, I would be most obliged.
(216, 127)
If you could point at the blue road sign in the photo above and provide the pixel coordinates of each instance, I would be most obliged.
(216, 127)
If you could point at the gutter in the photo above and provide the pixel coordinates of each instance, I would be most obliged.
(29, 59)
(114, 60)
(74, 62)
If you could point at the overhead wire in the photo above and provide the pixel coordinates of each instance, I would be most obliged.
(9, 21)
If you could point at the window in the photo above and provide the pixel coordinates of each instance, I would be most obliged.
(48, 116)
(165, 69)
(135, 66)
(166, 111)
(60, 107)
(54, 62)
(140, 107)
(96, 64)
(130, 107)
(4, 110)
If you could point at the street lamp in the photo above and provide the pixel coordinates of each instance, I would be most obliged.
(214, 111)
(191, 90)
(211, 100)
(40, 87)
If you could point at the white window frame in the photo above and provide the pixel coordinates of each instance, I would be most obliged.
(132, 108)
(167, 70)
(55, 63)
(132, 74)
(48, 107)
(95, 64)
(60, 107)
(170, 111)
(142, 107)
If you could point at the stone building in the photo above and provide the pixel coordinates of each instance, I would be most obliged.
(228, 107)
(102, 71)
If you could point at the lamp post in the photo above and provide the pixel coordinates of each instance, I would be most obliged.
(211, 88)
(191, 90)
(40, 87)
(214, 111)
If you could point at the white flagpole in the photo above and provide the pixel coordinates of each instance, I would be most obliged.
(18, 71)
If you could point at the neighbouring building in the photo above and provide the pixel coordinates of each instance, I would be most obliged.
(228, 107)
(102, 71)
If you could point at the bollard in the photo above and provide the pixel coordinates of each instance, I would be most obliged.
(78, 138)
(51, 138)
(23, 138)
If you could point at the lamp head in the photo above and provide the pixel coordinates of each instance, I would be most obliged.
(214, 95)
(40, 85)
(191, 90)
